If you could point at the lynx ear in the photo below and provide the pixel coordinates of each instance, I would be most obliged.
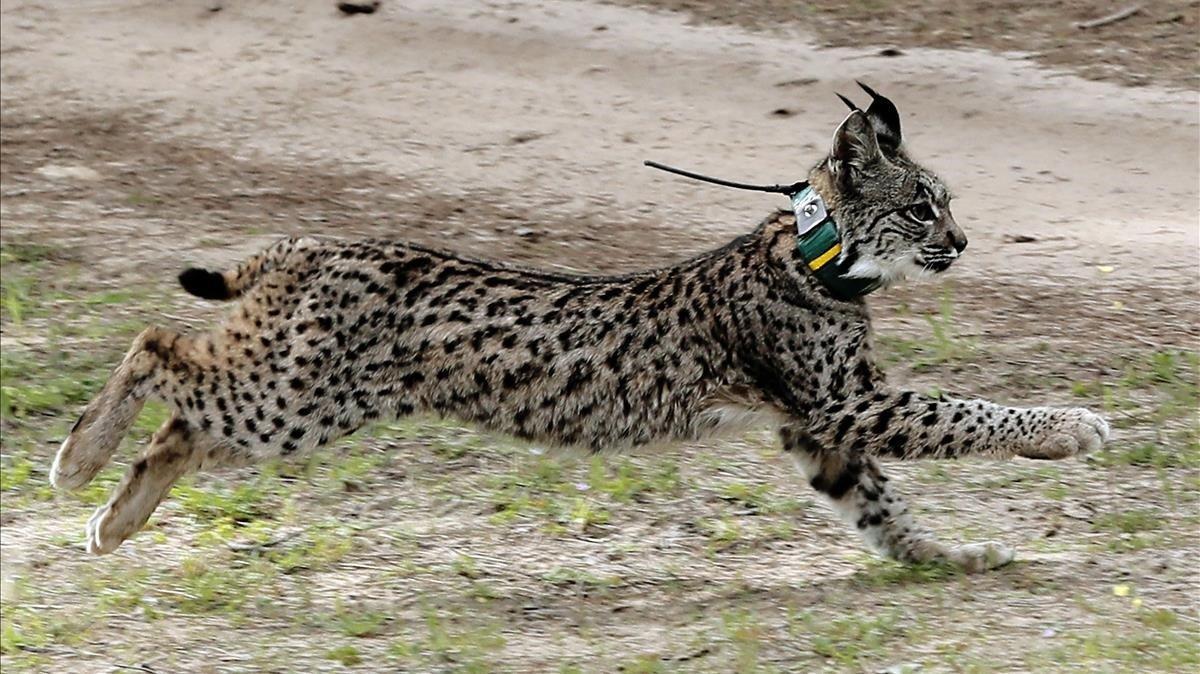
(854, 143)
(884, 118)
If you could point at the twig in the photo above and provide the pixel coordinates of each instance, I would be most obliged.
(1111, 18)
(258, 547)
(136, 668)
(693, 655)
(1145, 341)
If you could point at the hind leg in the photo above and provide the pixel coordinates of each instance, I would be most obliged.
(106, 420)
(175, 450)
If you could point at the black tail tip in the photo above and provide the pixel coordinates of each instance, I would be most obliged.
(206, 284)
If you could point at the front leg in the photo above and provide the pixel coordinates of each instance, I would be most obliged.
(863, 495)
(907, 425)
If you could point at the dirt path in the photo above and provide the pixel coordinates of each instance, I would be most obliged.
(138, 136)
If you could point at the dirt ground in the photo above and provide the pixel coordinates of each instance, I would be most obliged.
(141, 136)
(1094, 38)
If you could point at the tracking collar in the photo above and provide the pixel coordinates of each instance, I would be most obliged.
(820, 245)
(817, 238)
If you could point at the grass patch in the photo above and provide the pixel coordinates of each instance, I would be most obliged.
(879, 573)
(206, 588)
(628, 482)
(214, 504)
(1130, 527)
(451, 645)
(347, 655)
(321, 548)
(15, 473)
(850, 641)
(33, 384)
(465, 566)
(1128, 521)
(1153, 388)
(646, 663)
(759, 499)
(543, 488)
(358, 622)
(580, 579)
(943, 345)
(747, 635)
(43, 370)
(1182, 454)
(1155, 646)
(27, 252)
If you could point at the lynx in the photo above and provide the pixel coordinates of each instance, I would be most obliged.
(328, 335)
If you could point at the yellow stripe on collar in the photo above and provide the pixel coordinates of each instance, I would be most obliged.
(825, 257)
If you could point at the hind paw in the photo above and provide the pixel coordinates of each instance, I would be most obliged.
(106, 530)
(72, 469)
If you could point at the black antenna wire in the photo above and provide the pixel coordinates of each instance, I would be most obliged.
(789, 190)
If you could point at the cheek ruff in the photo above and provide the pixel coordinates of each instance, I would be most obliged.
(890, 271)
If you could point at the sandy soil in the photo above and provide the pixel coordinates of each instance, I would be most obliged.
(140, 136)
(1097, 39)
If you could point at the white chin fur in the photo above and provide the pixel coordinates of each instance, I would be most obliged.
(889, 272)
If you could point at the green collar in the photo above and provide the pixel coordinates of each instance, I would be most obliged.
(818, 242)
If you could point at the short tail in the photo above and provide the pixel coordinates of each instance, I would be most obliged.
(209, 285)
(231, 284)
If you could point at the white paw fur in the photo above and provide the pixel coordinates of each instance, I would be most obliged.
(58, 479)
(70, 469)
(1071, 431)
(978, 557)
(96, 544)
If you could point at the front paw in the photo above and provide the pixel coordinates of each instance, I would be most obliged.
(1068, 432)
(980, 557)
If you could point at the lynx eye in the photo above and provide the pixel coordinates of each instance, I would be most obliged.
(922, 213)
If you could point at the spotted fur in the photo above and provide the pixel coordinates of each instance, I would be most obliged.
(328, 335)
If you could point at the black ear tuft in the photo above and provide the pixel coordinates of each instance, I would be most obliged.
(870, 92)
(849, 103)
(884, 118)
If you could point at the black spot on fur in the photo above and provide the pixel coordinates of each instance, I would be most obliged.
(837, 486)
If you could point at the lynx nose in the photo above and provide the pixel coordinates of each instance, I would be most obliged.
(957, 239)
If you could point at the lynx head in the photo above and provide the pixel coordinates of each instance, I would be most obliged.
(893, 215)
